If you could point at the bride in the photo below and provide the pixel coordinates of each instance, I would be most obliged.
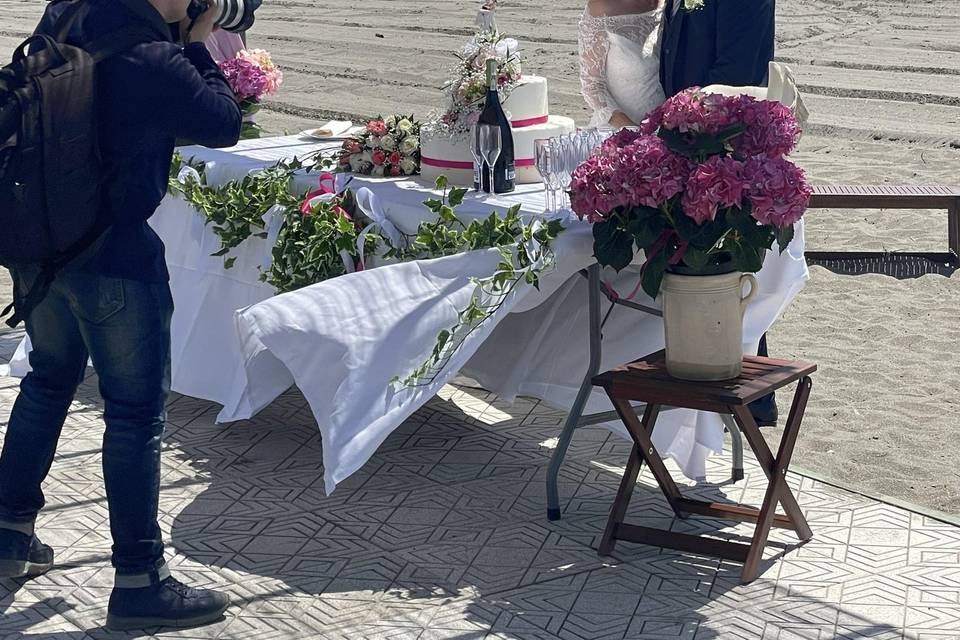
(620, 60)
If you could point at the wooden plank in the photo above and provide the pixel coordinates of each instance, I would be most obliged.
(683, 542)
(734, 512)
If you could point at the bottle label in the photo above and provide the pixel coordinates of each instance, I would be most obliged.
(511, 172)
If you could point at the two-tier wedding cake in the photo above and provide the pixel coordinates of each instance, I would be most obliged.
(445, 142)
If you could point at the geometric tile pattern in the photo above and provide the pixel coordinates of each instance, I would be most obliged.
(443, 534)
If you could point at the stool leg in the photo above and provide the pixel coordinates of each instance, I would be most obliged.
(640, 432)
(736, 439)
(619, 509)
(776, 470)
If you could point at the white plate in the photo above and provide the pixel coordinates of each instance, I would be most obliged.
(312, 134)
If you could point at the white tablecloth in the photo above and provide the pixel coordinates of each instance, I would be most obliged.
(341, 341)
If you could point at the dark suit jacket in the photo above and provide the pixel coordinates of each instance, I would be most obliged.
(727, 42)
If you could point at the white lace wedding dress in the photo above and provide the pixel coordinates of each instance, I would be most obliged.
(620, 64)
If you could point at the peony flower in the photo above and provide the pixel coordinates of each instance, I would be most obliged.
(409, 145)
(717, 182)
(777, 189)
(390, 121)
(395, 157)
(408, 166)
(377, 127)
(378, 157)
(388, 142)
(405, 125)
(395, 170)
(352, 145)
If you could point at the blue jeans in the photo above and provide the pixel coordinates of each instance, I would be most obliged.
(124, 328)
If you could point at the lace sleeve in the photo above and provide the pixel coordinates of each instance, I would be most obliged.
(594, 44)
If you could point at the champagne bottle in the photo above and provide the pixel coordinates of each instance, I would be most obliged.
(504, 170)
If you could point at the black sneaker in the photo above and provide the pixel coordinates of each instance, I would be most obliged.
(22, 555)
(168, 603)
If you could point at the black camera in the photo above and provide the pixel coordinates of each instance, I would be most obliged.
(232, 15)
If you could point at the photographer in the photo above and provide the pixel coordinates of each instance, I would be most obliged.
(113, 304)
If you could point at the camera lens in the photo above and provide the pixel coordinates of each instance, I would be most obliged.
(237, 15)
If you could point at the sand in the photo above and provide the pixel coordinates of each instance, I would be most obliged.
(882, 81)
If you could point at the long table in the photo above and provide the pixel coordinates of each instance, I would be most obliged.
(341, 341)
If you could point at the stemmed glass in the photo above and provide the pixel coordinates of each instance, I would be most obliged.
(559, 150)
(545, 165)
(477, 156)
(490, 146)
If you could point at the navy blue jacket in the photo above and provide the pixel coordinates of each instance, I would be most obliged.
(150, 95)
(727, 42)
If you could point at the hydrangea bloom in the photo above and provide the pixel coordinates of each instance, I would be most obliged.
(246, 79)
(772, 129)
(777, 189)
(716, 183)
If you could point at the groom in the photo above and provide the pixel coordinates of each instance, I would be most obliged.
(726, 42)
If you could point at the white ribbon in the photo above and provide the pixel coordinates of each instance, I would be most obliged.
(188, 172)
(272, 222)
(369, 203)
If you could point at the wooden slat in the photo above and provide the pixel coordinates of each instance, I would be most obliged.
(735, 512)
(682, 542)
(884, 197)
(647, 380)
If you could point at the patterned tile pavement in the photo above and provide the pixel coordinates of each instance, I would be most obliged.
(443, 536)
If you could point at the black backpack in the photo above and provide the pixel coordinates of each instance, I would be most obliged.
(50, 170)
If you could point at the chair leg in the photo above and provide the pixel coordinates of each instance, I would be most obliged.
(736, 439)
(583, 395)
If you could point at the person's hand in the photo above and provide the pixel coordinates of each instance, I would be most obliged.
(620, 119)
(202, 28)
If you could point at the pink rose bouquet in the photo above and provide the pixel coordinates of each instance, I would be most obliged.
(251, 75)
(386, 147)
(703, 184)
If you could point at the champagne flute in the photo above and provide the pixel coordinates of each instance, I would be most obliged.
(490, 148)
(544, 162)
(477, 156)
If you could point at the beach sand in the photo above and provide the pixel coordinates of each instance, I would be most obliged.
(882, 82)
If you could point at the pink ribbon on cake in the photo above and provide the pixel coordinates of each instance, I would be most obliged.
(529, 122)
(468, 166)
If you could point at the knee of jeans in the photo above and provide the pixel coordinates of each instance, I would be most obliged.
(53, 385)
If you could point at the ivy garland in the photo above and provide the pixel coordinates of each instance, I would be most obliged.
(314, 239)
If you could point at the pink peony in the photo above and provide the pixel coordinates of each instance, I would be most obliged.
(379, 157)
(395, 157)
(246, 79)
(717, 182)
(377, 127)
(777, 189)
(352, 145)
(395, 170)
(772, 129)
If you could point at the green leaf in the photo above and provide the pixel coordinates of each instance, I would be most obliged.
(612, 246)
(785, 237)
(696, 259)
(433, 204)
(456, 196)
(746, 258)
(646, 225)
(229, 262)
(441, 183)
(653, 272)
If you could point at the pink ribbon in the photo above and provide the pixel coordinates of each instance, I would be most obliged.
(327, 185)
(468, 166)
(529, 122)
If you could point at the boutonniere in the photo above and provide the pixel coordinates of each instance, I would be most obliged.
(693, 5)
